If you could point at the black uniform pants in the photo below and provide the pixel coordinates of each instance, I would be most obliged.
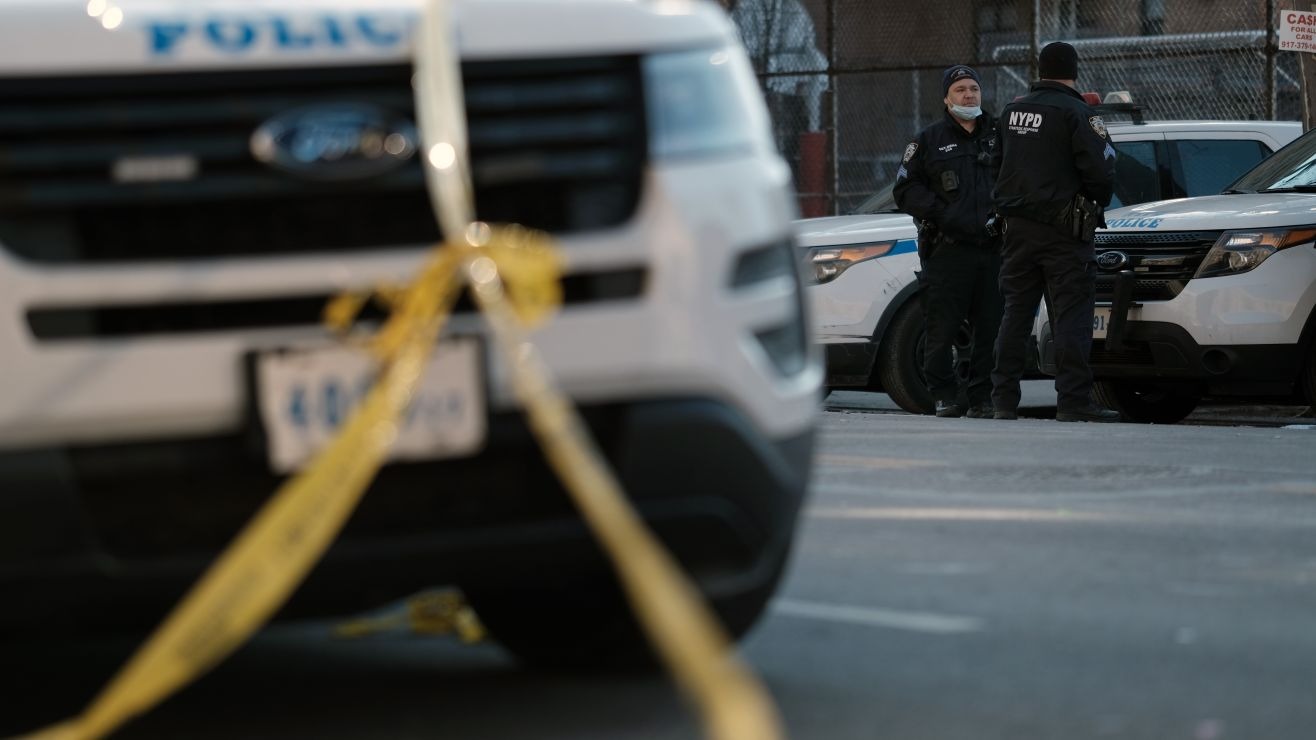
(958, 283)
(1040, 258)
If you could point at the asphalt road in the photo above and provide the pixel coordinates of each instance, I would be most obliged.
(954, 578)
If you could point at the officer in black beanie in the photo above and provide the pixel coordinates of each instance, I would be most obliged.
(945, 182)
(1057, 172)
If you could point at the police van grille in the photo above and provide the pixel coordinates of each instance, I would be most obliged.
(555, 144)
(1162, 262)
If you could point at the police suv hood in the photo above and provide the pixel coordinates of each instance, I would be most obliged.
(1241, 211)
(50, 37)
(839, 230)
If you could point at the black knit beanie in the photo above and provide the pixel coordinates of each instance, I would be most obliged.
(955, 74)
(1058, 61)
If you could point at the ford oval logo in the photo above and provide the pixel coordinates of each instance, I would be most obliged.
(1112, 260)
(335, 141)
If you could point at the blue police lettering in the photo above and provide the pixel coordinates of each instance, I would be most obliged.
(288, 37)
(165, 35)
(236, 35)
(371, 32)
(230, 35)
(1134, 223)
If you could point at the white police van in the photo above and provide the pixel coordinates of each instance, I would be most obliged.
(185, 185)
(867, 313)
(1208, 297)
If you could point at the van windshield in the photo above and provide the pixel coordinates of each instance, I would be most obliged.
(1291, 168)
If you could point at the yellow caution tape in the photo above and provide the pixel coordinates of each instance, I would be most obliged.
(272, 555)
(680, 626)
(443, 612)
(514, 275)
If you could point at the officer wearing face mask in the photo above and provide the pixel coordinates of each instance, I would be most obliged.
(945, 182)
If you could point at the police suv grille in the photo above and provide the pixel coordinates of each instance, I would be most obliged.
(556, 144)
(1162, 262)
(62, 323)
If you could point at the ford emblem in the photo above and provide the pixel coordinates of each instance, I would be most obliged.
(1112, 260)
(335, 141)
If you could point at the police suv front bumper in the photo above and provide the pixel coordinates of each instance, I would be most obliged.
(1157, 352)
(116, 533)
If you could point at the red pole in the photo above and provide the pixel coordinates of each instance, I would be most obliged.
(812, 186)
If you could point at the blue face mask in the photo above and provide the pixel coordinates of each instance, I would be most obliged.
(966, 112)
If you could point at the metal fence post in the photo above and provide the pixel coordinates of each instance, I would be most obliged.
(1035, 43)
(1308, 67)
(833, 133)
(1271, 51)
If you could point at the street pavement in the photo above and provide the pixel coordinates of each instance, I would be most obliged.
(1039, 401)
(953, 579)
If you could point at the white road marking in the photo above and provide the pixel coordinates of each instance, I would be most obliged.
(962, 514)
(941, 624)
(942, 569)
(877, 463)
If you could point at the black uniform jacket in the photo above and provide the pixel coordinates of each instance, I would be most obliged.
(946, 178)
(1053, 147)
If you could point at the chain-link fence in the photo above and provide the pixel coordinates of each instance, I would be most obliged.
(849, 82)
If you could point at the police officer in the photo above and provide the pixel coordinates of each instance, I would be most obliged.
(945, 182)
(1057, 171)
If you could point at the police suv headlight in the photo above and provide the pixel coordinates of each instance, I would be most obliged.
(1237, 252)
(829, 262)
(704, 102)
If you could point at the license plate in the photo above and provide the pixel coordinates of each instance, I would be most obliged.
(1101, 319)
(1100, 322)
(305, 396)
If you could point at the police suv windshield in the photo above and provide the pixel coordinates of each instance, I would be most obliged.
(880, 202)
(1292, 168)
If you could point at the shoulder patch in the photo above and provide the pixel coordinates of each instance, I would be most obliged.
(1098, 125)
(909, 151)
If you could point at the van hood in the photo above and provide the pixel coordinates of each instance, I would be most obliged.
(1241, 211)
(837, 230)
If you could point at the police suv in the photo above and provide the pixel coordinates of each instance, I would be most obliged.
(186, 184)
(1210, 296)
(867, 312)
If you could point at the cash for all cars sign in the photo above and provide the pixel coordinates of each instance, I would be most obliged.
(1297, 31)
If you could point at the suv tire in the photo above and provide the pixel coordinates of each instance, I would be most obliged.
(1308, 380)
(1145, 405)
(588, 625)
(900, 359)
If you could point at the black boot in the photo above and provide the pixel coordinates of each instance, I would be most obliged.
(1091, 412)
(949, 410)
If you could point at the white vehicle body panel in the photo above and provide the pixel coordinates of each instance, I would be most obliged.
(1267, 305)
(847, 310)
(166, 35)
(694, 219)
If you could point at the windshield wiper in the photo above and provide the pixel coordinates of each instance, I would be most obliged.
(1292, 189)
(1232, 191)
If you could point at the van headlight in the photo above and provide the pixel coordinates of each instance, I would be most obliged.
(829, 262)
(702, 103)
(1236, 252)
